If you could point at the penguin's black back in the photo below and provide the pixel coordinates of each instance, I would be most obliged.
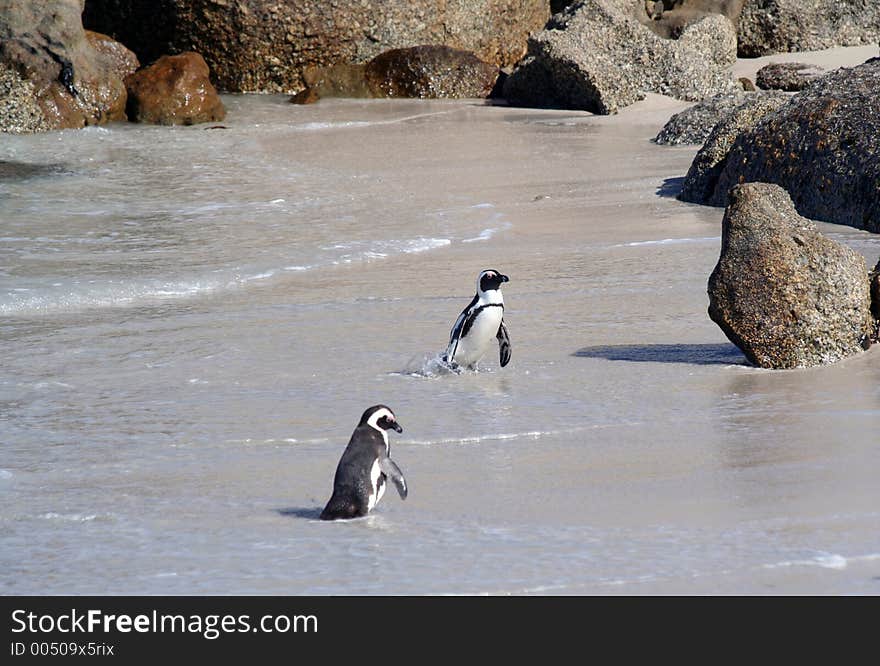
(351, 484)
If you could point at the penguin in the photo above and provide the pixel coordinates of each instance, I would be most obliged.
(364, 467)
(480, 322)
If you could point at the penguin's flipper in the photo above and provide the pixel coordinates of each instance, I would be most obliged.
(503, 344)
(392, 471)
(461, 326)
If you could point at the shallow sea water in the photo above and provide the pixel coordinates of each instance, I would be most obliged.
(193, 320)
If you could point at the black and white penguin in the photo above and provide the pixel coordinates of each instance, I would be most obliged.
(364, 467)
(481, 322)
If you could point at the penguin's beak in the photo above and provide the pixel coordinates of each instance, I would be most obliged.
(504, 278)
(396, 427)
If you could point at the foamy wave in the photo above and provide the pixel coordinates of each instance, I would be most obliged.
(430, 366)
(37, 301)
(670, 241)
(275, 441)
(486, 234)
(317, 126)
(826, 561)
(5, 474)
(73, 517)
(495, 437)
(357, 251)
(110, 294)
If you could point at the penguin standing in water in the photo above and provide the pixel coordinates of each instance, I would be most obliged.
(481, 322)
(364, 467)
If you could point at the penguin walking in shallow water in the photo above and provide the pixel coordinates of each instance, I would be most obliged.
(364, 467)
(481, 322)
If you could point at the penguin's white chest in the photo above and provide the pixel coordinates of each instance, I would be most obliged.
(473, 346)
(377, 486)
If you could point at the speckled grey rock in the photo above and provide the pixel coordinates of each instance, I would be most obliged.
(823, 146)
(695, 123)
(787, 76)
(19, 111)
(781, 26)
(702, 176)
(265, 45)
(73, 84)
(875, 300)
(783, 293)
(596, 56)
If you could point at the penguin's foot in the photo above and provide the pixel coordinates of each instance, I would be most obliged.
(452, 366)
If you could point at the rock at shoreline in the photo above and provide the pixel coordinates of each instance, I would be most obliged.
(596, 56)
(342, 80)
(702, 177)
(784, 294)
(695, 124)
(60, 76)
(430, 72)
(781, 26)
(122, 61)
(787, 76)
(174, 90)
(670, 17)
(427, 72)
(265, 45)
(823, 147)
(875, 300)
(20, 113)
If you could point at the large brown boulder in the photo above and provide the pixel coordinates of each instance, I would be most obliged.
(174, 90)
(265, 45)
(430, 72)
(787, 296)
(122, 60)
(780, 26)
(427, 72)
(70, 83)
(596, 56)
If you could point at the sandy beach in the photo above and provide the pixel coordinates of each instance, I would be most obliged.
(188, 354)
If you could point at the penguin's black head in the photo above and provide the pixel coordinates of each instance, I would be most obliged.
(380, 417)
(491, 279)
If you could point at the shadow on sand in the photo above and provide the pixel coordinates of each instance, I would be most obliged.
(697, 354)
(670, 187)
(13, 171)
(306, 512)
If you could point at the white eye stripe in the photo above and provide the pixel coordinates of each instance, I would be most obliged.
(375, 418)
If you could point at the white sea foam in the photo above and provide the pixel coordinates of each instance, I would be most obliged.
(429, 365)
(73, 297)
(73, 517)
(284, 440)
(98, 294)
(487, 233)
(825, 560)
(670, 241)
(317, 126)
(5, 474)
(498, 437)
(357, 251)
